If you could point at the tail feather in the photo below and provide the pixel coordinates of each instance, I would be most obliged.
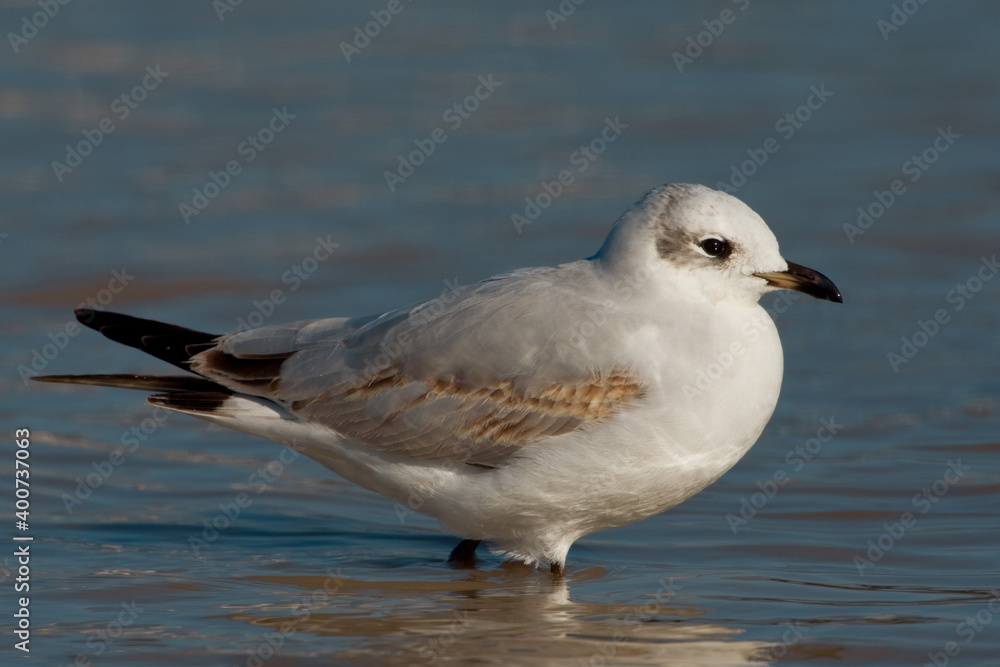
(193, 402)
(194, 394)
(173, 344)
(168, 342)
(171, 383)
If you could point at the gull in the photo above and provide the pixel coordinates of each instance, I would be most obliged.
(531, 408)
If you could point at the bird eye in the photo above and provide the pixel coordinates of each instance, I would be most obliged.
(716, 247)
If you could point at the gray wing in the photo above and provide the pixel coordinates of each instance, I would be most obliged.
(471, 376)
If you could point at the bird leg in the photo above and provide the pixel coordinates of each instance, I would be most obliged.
(464, 555)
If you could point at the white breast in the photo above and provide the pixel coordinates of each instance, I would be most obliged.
(702, 412)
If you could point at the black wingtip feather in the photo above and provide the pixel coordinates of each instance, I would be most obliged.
(168, 342)
(198, 402)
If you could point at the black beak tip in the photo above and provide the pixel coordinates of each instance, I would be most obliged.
(805, 280)
(822, 287)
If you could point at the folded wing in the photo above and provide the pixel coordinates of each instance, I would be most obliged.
(471, 376)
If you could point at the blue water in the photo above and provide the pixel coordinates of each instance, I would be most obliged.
(878, 546)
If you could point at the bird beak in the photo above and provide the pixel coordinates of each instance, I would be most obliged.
(804, 280)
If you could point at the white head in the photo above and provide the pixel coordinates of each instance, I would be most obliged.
(707, 241)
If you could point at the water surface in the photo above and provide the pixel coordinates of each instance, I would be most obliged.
(146, 560)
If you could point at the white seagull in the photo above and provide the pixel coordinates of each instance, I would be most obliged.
(531, 408)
